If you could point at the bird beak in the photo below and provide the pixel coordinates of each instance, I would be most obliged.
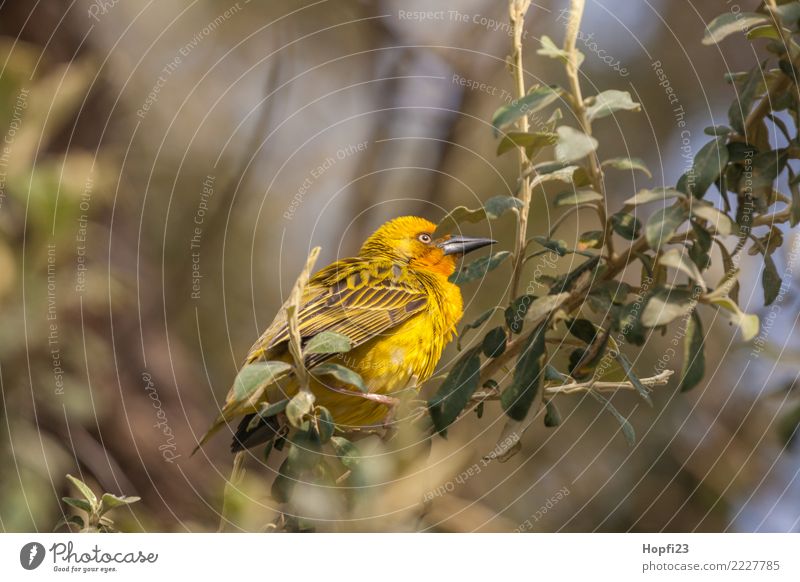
(459, 245)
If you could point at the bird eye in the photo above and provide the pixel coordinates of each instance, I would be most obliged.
(424, 238)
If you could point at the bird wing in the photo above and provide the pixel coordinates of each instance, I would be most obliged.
(355, 298)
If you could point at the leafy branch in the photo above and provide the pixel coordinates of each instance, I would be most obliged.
(94, 512)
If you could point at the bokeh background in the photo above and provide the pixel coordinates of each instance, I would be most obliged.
(167, 166)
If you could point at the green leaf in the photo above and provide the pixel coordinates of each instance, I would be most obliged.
(479, 268)
(552, 171)
(455, 392)
(694, 362)
(253, 376)
(770, 280)
(709, 163)
(629, 323)
(748, 324)
(482, 318)
(78, 503)
(492, 209)
(70, 520)
(516, 312)
(267, 410)
(656, 195)
(609, 102)
(626, 225)
(723, 223)
(572, 145)
(740, 108)
(516, 400)
(643, 391)
(328, 342)
(84, 489)
(679, 259)
(789, 426)
(284, 482)
(552, 417)
(544, 306)
(324, 424)
(575, 197)
(551, 50)
(628, 164)
(729, 23)
(347, 452)
(494, 343)
(299, 407)
(583, 329)
(663, 225)
(557, 246)
(789, 12)
(627, 429)
(536, 99)
(717, 130)
(532, 142)
(592, 239)
(109, 502)
(342, 374)
(666, 305)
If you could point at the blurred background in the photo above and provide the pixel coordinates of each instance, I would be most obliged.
(167, 166)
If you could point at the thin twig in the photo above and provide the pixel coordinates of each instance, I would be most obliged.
(660, 379)
(517, 10)
(579, 109)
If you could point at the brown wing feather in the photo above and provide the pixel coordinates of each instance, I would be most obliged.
(350, 297)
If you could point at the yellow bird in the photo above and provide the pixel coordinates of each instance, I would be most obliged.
(396, 305)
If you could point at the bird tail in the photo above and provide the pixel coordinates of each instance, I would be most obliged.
(266, 431)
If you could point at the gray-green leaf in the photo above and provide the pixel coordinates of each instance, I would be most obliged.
(537, 99)
(253, 376)
(492, 209)
(345, 375)
(730, 23)
(455, 391)
(575, 197)
(628, 164)
(573, 145)
(328, 342)
(517, 399)
(667, 304)
(608, 102)
(478, 269)
(694, 362)
(663, 224)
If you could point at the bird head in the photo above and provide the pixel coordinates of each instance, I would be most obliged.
(411, 239)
